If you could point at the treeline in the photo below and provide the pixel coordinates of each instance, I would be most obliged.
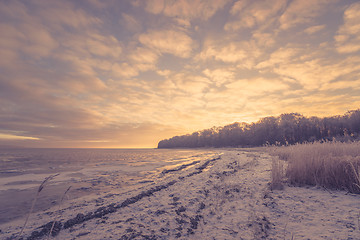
(285, 129)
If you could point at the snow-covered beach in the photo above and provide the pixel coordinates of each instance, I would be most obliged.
(223, 197)
(88, 172)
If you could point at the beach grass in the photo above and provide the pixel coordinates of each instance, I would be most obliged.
(332, 165)
(54, 222)
(277, 174)
(41, 187)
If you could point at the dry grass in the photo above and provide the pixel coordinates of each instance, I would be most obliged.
(53, 224)
(41, 187)
(332, 165)
(277, 174)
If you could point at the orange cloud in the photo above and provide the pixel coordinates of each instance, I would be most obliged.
(220, 76)
(314, 29)
(300, 12)
(348, 38)
(188, 9)
(168, 41)
(230, 53)
(251, 13)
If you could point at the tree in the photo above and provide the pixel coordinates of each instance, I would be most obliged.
(288, 128)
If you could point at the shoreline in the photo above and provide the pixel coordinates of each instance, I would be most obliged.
(116, 172)
(226, 198)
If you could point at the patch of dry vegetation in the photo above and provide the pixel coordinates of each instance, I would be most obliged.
(333, 165)
(41, 187)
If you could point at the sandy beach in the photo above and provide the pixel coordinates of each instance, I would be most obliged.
(225, 197)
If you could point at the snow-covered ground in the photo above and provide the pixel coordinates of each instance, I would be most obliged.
(221, 198)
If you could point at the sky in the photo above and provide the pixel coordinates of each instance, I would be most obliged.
(123, 74)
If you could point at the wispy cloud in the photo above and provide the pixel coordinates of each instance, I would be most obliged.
(300, 12)
(220, 76)
(130, 22)
(168, 41)
(228, 51)
(348, 38)
(15, 137)
(248, 14)
(314, 29)
(187, 9)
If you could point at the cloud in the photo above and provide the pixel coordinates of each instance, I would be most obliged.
(123, 70)
(322, 105)
(352, 85)
(185, 23)
(309, 74)
(314, 29)
(242, 97)
(300, 12)
(39, 42)
(256, 86)
(138, 60)
(348, 37)
(164, 72)
(243, 23)
(103, 45)
(263, 40)
(168, 41)
(92, 43)
(52, 113)
(239, 6)
(282, 56)
(308, 68)
(154, 6)
(185, 9)
(346, 75)
(33, 40)
(189, 83)
(231, 52)
(41, 32)
(220, 76)
(130, 22)
(78, 84)
(144, 56)
(253, 13)
(97, 3)
(5, 136)
(123, 135)
(64, 14)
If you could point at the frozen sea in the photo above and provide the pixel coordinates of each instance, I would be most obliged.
(87, 171)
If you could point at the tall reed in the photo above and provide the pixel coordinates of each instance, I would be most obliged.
(277, 174)
(62, 198)
(333, 165)
(41, 187)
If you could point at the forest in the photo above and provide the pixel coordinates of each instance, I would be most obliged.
(289, 128)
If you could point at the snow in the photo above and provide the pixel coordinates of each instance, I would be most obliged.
(228, 199)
